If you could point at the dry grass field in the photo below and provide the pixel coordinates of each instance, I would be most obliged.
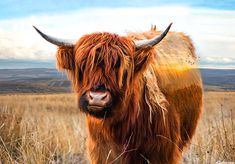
(214, 140)
(50, 129)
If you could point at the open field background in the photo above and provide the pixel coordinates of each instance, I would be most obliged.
(40, 122)
(48, 128)
(44, 80)
(214, 140)
(41, 129)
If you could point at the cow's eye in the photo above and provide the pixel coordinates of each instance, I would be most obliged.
(117, 65)
(80, 75)
(100, 64)
(124, 77)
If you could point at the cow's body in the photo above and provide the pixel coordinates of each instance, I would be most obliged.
(142, 100)
(170, 100)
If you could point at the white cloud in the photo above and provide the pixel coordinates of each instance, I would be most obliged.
(218, 62)
(211, 30)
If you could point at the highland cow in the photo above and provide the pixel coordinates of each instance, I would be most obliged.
(142, 94)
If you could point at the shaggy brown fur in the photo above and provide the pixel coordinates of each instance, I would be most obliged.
(158, 89)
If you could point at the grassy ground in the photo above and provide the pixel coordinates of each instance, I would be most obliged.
(41, 129)
(50, 129)
(214, 140)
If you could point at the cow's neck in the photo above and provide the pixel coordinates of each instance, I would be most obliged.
(134, 127)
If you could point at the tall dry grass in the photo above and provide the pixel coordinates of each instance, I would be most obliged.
(50, 129)
(41, 129)
(215, 136)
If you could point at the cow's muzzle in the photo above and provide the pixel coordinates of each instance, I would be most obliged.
(98, 100)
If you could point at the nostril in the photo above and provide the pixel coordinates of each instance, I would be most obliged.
(90, 96)
(104, 97)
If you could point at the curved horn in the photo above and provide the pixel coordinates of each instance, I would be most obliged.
(56, 41)
(153, 41)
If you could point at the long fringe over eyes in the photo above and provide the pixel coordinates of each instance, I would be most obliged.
(104, 58)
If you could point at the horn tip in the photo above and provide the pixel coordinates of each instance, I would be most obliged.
(36, 29)
(170, 24)
(42, 34)
(168, 28)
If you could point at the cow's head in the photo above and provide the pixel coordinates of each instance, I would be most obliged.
(103, 68)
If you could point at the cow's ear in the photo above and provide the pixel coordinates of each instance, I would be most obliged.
(65, 58)
(142, 58)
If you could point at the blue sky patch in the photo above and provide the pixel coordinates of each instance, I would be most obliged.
(17, 8)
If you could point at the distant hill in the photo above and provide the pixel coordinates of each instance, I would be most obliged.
(218, 79)
(44, 80)
(33, 80)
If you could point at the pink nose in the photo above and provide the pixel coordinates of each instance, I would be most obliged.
(96, 98)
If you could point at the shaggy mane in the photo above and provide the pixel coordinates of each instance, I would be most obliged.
(109, 51)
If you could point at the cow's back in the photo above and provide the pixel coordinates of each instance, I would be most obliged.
(178, 79)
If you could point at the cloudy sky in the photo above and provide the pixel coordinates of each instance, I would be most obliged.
(210, 24)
